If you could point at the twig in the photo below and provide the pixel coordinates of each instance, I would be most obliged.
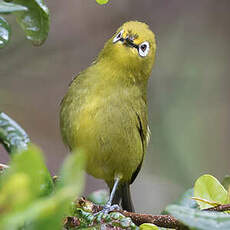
(71, 222)
(219, 208)
(165, 221)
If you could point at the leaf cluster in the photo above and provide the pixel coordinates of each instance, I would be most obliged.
(32, 16)
(29, 198)
(207, 192)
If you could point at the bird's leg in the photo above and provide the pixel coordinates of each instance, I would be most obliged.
(109, 203)
(109, 207)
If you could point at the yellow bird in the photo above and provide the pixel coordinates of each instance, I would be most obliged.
(104, 111)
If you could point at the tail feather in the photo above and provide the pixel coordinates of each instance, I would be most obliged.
(123, 196)
(126, 201)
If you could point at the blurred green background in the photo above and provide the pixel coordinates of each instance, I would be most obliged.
(189, 111)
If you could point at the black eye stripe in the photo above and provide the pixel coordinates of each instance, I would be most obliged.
(130, 42)
(143, 48)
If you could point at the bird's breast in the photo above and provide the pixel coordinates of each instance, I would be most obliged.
(107, 131)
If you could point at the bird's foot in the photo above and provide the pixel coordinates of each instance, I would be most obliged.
(107, 208)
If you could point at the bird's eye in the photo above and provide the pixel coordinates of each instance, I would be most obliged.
(143, 49)
(118, 36)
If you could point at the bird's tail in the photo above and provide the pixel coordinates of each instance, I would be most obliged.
(123, 196)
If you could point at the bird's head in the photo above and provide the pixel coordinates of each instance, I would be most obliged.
(132, 48)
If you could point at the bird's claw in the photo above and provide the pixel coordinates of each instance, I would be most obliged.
(107, 208)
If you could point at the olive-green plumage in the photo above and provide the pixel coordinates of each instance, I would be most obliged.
(104, 111)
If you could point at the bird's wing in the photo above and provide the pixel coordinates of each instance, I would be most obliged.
(144, 132)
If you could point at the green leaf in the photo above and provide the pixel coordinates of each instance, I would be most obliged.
(26, 180)
(102, 2)
(71, 173)
(12, 136)
(31, 162)
(200, 220)
(47, 212)
(186, 199)
(148, 226)
(71, 179)
(226, 182)
(43, 214)
(35, 22)
(99, 197)
(4, 32)
(210, 189)
(7, 7)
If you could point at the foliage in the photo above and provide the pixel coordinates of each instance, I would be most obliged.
(186, 200)
(148, 227)
(29, 199)
(102, 2)
(114, 219)
(4, 32)
(226, 182)
(99, 197)
(32, 16)
(208, 192)
(12, 136)
(200, 220)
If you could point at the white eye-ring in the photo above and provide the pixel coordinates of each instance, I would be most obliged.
(143, 49)
(118, 36)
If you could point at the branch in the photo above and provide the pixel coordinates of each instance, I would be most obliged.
(219, 208)
(165, 221)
